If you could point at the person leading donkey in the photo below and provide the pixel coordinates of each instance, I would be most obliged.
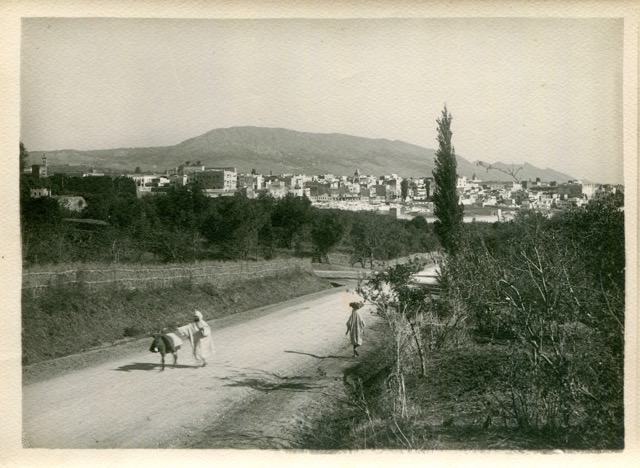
(199, 334)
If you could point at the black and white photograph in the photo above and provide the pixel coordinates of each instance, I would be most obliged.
(325, 234)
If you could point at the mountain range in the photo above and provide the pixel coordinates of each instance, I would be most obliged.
(282, 151)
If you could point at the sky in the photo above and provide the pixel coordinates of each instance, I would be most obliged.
(543, 91)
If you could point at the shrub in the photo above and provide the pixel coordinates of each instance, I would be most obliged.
(132, 331)
(542, 291)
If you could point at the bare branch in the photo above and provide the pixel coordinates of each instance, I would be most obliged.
(510, 172)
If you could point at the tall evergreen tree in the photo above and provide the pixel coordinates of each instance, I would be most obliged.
(24, 158)
(404, 189)
(449, 212)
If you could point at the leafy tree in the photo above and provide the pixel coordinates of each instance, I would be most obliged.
(449, 212)
(125, 211)
(146, 225)
(599, 230)
(289, 215)
(419, 223)
(266, 236)
(396, 239)
(266, 241)
(43, 231)
(367, 239)
(42, 212)
(234, 226)
(374, 237)
(327, 229)
(62, 184)
(421, 236)
(183, 207)
(181, 213)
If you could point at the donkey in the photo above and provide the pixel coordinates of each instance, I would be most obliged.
(165, 343)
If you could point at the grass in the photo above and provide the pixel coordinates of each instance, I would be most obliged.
(453, 408)
(68, 319)
(57, 267)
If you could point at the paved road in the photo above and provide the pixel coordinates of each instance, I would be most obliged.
(298, 347)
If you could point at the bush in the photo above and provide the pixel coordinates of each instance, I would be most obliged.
(132, 331)
(545, 294)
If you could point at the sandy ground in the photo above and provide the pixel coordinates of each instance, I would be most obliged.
(270, 373)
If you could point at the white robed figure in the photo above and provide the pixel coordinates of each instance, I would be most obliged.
(199, 334)
(355, 326)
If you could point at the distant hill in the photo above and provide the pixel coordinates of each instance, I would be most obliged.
(522, 171)
(283, 151)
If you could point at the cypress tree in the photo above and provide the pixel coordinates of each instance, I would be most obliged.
(448, 212)
(24, 158)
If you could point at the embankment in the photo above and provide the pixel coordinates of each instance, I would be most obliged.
(65, 319)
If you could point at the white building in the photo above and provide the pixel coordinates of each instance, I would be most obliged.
(490, 201)
(178, 180)
(71, 203)
(216, 178)
(589, 190)
(145, 183)
(39, 192)
(93, 173)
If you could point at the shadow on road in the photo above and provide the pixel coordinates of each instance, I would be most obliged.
(147, 366)
(319, 357)
(269, 381)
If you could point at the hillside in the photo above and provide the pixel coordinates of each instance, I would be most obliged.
(279, 151)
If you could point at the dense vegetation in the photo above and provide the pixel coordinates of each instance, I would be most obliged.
(184, 225)
(523, 347)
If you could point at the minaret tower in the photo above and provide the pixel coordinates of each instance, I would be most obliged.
(43, 167)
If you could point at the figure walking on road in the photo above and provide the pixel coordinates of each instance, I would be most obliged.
(355, 326)
(199, 334)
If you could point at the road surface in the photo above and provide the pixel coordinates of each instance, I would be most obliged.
(429, 275)
(266, 377)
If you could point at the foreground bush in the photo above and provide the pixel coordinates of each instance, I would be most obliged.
(531, 319)
(560, 305)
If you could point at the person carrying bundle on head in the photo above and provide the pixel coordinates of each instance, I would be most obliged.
(355, 326)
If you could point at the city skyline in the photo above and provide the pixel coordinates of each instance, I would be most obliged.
(543, 91)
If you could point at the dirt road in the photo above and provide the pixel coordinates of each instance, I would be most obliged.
(268, 374)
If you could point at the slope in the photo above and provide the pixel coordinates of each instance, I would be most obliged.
(277, 151)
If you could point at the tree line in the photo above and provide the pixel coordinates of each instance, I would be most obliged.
(184, 225)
